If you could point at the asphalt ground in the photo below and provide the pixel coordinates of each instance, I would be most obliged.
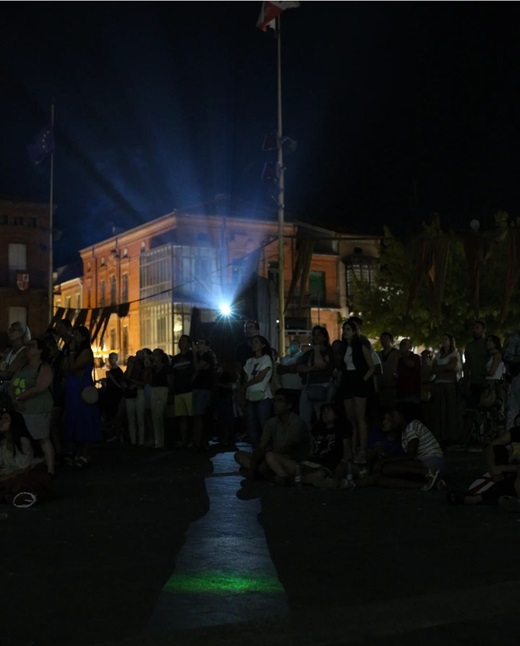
(150, 547)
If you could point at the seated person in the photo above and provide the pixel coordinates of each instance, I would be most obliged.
(330, 457)
(384, 442)
(285, 434)
(503, 466)
(423, 460)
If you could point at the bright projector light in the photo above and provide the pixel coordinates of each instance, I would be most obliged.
(225, 309)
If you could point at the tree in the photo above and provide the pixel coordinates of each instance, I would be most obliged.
(424, 288)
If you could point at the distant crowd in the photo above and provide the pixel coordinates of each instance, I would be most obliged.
(335, 414)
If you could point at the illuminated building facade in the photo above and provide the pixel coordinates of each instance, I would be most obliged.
(138, 288)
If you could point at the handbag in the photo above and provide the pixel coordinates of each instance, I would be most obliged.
(488, 396)
(90, 395)
(317, 392)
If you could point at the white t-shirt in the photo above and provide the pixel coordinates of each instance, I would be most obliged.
(252, 367)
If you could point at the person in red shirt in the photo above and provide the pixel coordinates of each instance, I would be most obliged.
(408, 374)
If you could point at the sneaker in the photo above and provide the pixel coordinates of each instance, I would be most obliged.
(509, 503)
(431, 478)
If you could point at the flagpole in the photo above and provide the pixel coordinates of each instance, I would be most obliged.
(281, 206)
(51, 225)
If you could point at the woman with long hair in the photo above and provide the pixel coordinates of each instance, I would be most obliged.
(30, 392)
(356, 384)
(490, 419)
(257, 389)
(316, 367)
(81, 423)
(445, 405)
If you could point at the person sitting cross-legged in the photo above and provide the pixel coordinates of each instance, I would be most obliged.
(285, 434)
(422, 463)
(329, 463)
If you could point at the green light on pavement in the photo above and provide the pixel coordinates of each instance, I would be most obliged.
(220, 582)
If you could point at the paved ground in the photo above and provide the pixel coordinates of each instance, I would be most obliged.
(150, 548)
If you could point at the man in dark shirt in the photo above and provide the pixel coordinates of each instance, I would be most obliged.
(203, 387)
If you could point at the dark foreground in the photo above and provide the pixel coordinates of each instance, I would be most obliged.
(169, 548)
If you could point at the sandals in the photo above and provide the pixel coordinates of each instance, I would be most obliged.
(430, 479)
(24, 499)
(80, 462)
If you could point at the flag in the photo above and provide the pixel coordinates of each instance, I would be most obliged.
(270, 11)
(43, 145)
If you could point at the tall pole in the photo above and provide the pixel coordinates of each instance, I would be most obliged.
(51, 225)
(281, 206)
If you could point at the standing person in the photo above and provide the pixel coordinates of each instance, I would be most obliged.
(447, 367)
(290, 380)
(389, 356)
(408, 379)
(244, 350)
(203, 389)
(490, 419)
(30, 392)
(135, 381)
(475, 360)
(19, 335)
(82, 427)
(159, 394)
(511, 355)
(113, 397)
(183, 373)
(316, 368)
(356, 384)
(257, 388)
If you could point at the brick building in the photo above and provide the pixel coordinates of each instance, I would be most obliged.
(24, 265)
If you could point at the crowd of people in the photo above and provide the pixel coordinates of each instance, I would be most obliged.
(334, 414)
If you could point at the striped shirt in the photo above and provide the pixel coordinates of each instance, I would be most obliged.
(428, 445)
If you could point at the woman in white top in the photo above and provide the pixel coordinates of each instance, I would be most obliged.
(446, 417)
(257, 388)
(490, 419)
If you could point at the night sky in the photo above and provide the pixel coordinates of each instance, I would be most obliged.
(401, 110)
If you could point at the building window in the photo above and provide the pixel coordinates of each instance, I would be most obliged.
(102, 293)
(89, 297)
(112, 339)
(143, 247)
(32, 222)
(68, 302)
(125, 344)
(4, 218)
(360, 269)
(78, 300)
(272, 272)
(17, 256)
(113, 290)
(103, 261)
(18, 221)
(124, 294)
(317, 287)
(125, 253)
(88, 267)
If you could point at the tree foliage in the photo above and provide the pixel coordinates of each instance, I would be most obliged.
(386, 305)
